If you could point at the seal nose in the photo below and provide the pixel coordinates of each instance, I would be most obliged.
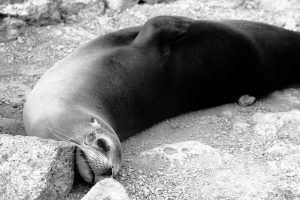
(108, 172)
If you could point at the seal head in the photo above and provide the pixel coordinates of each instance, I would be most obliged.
(98, 155)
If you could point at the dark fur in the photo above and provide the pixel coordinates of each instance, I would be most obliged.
(173, 65)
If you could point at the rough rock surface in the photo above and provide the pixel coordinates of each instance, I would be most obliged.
(120, 4)
(32, 168)
(35, 11)
(228, 152)
(45, 12)
(11, 126)
(107, 189)
(123, 4)
(74, 10)
(11, 28)
(272, 5)
(245, 162)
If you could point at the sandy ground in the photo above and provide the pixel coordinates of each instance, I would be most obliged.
(228, 152)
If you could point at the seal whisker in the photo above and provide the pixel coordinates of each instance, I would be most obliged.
(93, 153)
(82, 161)
(58, 134)
(55, 133)
(59, 137)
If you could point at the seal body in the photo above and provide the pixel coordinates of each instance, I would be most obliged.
(123, 82)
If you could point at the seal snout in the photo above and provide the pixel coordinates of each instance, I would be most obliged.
(108, 172)
(100, 153)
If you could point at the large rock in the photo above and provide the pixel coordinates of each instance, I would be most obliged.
(34, 11)
(11, 126)
(79, 9)
(33, 168)
(276, 5)
(11, 28)
(120, 4)
(46, 12)
(123, 4)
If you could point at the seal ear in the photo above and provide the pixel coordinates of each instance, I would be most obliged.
(162, 31)
(94, 122)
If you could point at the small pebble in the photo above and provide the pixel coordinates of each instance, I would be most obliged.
(20, 40)
(146, 191)
(246, 100)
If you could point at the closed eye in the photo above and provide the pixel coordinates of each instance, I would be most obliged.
(102, 144)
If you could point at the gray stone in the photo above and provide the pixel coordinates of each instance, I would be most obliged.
(35, 11)
(107, 189)
(46, 12)
(11, 28)
(11, 126)
(33, 168)
(120, 4)
(181, 154)
(276, 5)
(246, 100)
(227, 3)
(80, 9)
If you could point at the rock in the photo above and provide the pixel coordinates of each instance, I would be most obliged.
(278, 125)
(15, 105)
(107, 189)
(11, 126)
(9, 1)
(276, 5)
(152, 1)
(34, 168)
(251, 4)
(42, 12)
(146, 191)
(246, 100)
(155, 1)
(11, 28)
(120, 4)
(74, 7)
(227, 3)
(77, 9)
(179, 154)
(13, 93)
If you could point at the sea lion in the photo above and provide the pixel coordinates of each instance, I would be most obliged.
(123, 82)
